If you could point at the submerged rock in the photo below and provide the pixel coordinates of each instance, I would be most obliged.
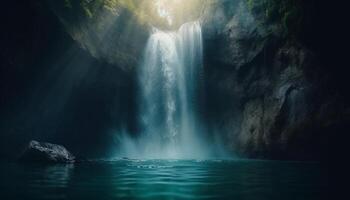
(46, 152)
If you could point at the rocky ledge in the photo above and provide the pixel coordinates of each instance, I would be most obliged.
(47, 153)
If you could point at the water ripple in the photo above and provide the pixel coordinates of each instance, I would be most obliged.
(161, 179)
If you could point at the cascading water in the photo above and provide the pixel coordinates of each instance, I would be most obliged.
(169, 80)
(169, 88)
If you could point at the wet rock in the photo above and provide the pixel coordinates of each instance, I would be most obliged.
(47, 153)
(269, 87)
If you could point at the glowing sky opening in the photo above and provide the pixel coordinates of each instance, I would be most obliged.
(174, 13)
(163, 11)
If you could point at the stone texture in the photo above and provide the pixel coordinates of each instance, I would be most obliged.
(47, 153)
(268, 86)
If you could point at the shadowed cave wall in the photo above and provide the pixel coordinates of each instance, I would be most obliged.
(52, 89)
(280, 88)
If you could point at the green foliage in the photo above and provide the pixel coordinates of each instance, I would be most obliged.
(291, 17)
(286, 13)
(87, 11)
(250, 4)
(90, 9)
(111, 5)
(67, 4)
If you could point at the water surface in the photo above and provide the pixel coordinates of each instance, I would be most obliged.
(164, 179)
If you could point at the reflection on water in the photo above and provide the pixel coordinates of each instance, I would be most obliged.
(164, 179)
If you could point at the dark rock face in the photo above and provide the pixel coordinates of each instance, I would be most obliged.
(278, 106)
(115, 36)
(53, 89)
(47, 153)
(273, 94)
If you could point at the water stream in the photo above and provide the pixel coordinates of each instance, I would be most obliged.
(168, 80)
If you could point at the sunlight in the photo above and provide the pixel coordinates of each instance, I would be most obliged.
(174, 13)
(163, 11)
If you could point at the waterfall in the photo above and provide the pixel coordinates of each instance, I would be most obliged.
(169, 79)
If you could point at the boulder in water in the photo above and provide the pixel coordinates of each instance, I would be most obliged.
(46, 152)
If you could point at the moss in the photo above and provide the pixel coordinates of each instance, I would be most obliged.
(286, 13)
(88, 13)
(111, 6)
(68, 4)
(255, 5)
(250, 4)
(90, 7)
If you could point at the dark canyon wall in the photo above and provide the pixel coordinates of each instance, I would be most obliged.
(278, 86)
(54, 89)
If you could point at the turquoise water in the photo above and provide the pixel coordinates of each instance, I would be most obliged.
(165, 179)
